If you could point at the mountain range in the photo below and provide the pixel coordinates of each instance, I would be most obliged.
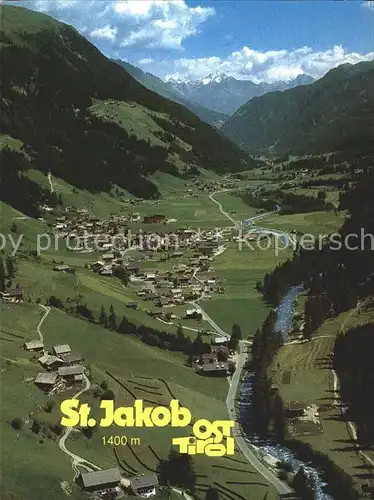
(334, 113)
(79, 115)
(166, 90)
(226, 94)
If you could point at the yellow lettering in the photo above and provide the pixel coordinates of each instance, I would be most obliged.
(142, 415)
(161, 416)
(69, 409)
(124, 417)
(108, 406)
(180, 417)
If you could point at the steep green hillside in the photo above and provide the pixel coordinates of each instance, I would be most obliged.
(54, 83)
(154, 83)
(335, 113)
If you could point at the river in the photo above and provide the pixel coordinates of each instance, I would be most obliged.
(283, 325)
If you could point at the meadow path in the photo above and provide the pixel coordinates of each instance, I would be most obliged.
(47, 310)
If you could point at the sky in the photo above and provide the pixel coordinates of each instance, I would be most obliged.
(262, 41)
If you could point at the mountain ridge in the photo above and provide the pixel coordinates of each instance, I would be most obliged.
(225, 94)
(332, 114)
(153, 82)
(89, 122)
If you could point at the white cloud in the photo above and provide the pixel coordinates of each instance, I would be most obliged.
(269, 66)
(369, 5)
(107, 32)
(131, 23)
(144, 62)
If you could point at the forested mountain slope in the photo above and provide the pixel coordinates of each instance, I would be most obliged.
(332, 114)
(85, 119)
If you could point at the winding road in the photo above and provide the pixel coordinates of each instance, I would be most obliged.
(47, 310)
(77, 461)
(247, 449)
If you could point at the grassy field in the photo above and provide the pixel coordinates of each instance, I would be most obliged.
(241, 303)
(130, 369)
(303, 373)
(313, 222)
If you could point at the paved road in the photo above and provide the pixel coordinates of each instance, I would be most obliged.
(242, 443)
(220, 207)
(246, 449)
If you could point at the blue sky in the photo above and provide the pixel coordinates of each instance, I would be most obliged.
(258, 40)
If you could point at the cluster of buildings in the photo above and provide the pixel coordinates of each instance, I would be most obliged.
(216, 362)
(62, 367)
(109, 483)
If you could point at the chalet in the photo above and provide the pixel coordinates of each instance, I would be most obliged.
(144, 486)
(184, 280)
(133, 268)
(154, 219)
(34, 345)
(98, 265)
(106, 272)
(47, 381)
(221, 341)
(50, 362)
(62, 268)
(193, 314)
(216, 369)
(209, 357)
(294, 409)
(163, 301)
(207, 249)
(176, 293)
(132, 305)
(107, 256)
(61, 349)
(100, 481)
(71, 358)
(72, 373)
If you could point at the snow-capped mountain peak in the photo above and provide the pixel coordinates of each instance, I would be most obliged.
(214, 77)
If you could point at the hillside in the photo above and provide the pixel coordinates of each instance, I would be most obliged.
(85, 119)
(334, 113)
(154, 83)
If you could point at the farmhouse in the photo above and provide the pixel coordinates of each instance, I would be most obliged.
(46, 381)
(61, 349)
(100, 481)
(154, 219)
(62, 268)
(34, 345)
(72, 373)
(207, 358)
(50, 362)
(133, 268)
(215, 369)
(132, 305)
(295, 409)
(71, 358)
(221, 341)
(144, 486)
(193, 314)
